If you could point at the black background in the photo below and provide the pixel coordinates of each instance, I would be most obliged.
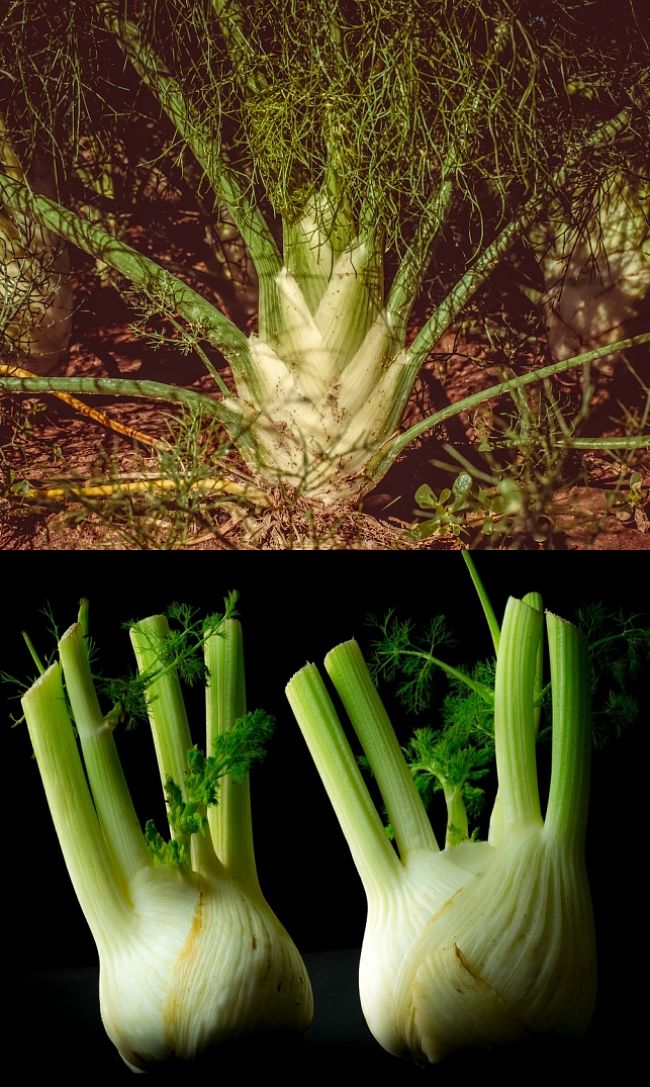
(294, 607)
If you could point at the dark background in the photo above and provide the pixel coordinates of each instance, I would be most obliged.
(294, 607)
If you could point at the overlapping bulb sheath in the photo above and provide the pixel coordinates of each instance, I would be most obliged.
(480, 943)
(190, 953)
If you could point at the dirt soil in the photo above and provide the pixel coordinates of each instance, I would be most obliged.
(592, 501)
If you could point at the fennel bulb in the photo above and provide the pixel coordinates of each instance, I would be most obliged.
(596, 274)
(327, 366)
(190, 953)
(36, 297)
(479, 943)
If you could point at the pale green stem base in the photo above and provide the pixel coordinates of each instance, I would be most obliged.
(230, 821)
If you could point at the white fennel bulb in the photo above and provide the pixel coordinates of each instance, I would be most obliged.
(190, 953)
(482, 942)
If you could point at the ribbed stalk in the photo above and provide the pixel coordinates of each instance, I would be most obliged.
(230, 821)
(514, 713)
(113, 803)
(534, 600)
(140, 270)
(382, 459)
(165, 705)
(566, 813)
(348, 671)
(93, 874)
(372, 853)
(168, 719)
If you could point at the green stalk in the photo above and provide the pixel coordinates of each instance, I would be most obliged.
(230, 821)
(232, 26)
(237, 430)
(33, 653)
(144, 273)
(381, 461)
(165, 705)
(111, 796)
(515, 713)
(458, 297)
(372, 853)
(469, 283)
(408, 278)
(91, 869)
(308, 255)
(642, 441)
(348, 671)
(568, 801)
(534, 600)
(457, 825)
(222, 177)
(168, 719)
(485, 692)
(451, 307)
(488, 610)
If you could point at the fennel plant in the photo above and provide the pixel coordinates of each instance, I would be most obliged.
(35, 292)
(378, 161)
(478, 943)
(190, 953)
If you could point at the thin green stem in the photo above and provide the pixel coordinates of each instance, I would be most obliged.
(153, 280)
(314, 711)
(386, 454)
(566, 812)
(469, 283)
(451, 307)
(230, 17)
(488, 610)
(113, 803)
(448, 310)
(640, 442)
(457, 825)
(349, 673)
(514, 713)
(212, 370)
(33, 654)
(96, 883)
(409, 276)
(481, 689)
(83, 616)
(230, 821)
(143, 390)
(227, 185)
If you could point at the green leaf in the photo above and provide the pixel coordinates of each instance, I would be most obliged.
(425, 497)
(235, 751)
